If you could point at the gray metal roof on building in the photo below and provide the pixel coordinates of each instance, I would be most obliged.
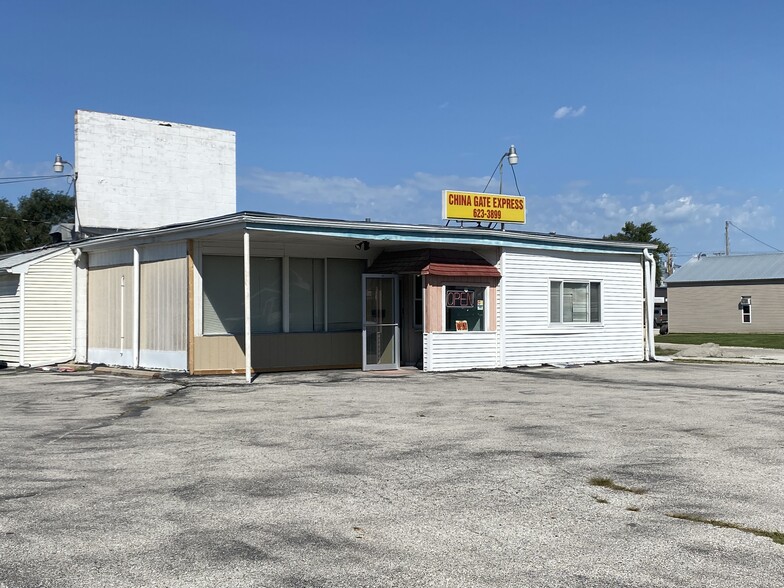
(375, 232)
(11, 260)
(730, 268)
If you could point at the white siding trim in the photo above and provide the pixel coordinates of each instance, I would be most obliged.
(110, 357)
(163, 360)
(137, 284)
(460, 350)
(21, 319)
(163, 251)
(110, 258)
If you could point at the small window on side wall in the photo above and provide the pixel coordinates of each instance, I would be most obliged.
(575, 302)
(745, 309)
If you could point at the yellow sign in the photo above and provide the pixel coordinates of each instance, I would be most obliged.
(475, 206)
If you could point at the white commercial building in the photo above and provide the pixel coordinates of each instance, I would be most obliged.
(252, 292)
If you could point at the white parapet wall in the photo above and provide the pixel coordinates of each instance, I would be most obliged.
(136, 173)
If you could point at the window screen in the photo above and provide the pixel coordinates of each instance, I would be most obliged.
(344, 294)
(575, 302)
(306, 295)
(223, 297)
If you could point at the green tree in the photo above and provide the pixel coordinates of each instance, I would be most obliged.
(644, 234)
(27, 225)
(11, 233)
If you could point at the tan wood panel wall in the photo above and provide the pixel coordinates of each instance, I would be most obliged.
(278, 351)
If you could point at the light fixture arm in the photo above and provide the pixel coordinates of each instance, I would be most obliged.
(58, 168)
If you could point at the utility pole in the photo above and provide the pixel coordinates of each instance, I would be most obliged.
(670, 267)
(726, 237)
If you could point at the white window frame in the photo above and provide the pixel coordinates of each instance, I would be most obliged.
(570, 324)
(744, 312)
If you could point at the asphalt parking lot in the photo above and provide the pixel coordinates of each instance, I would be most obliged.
(541, 477)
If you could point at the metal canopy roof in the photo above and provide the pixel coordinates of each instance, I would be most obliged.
(375, 232)
(437, 262)
(731, 268)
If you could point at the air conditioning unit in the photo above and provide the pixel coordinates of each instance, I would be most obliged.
(745, 300)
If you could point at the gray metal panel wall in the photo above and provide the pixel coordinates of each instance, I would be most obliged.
(110, 315)
(163, 320)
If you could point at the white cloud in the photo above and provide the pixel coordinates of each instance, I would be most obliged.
(690, 221)
(413, 200)
(569, 112)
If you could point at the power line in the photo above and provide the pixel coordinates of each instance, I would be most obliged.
(27, 220)
(22, 179)
(753, 237)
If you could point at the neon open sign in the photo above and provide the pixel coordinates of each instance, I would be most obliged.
(460, 298)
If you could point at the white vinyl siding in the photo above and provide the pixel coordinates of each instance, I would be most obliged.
(460, 350)
(48, 308)
(9, 318)
(529, 336)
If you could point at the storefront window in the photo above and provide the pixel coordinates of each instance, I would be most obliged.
(223, 300)
(465, 308)
(306, 295)
(222, 296)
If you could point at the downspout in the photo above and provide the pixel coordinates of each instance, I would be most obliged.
(21, 318)
(246, 295)
(649, 275)
(136, 306)
(75, 291)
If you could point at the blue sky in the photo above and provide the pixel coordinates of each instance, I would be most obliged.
(665, 111)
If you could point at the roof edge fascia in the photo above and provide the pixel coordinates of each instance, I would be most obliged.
(21, 268)
(358, 230)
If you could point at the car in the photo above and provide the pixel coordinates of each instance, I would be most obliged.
(659, 316)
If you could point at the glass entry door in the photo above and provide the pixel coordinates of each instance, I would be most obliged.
(380, 322)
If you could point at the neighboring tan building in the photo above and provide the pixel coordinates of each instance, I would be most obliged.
(728, 294)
